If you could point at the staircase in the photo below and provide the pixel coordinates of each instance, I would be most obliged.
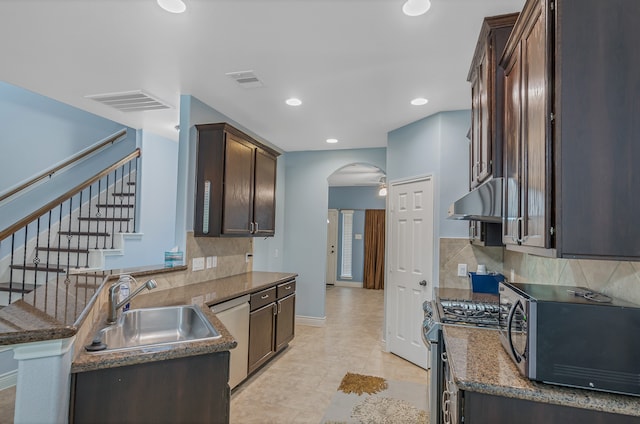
(62, 250)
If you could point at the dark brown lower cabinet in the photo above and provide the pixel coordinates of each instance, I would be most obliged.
(261, 334)
(480, 408)
(271, 322)
(285, 321)
(183, 390)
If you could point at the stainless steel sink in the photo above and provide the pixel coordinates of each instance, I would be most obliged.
(150, 327)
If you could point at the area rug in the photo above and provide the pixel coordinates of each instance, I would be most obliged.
(374, 400)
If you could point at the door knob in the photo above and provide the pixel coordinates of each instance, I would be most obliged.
(423, 283)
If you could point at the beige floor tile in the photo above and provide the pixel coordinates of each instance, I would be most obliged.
(306, 375)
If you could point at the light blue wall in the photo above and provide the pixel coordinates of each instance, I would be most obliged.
(157, 207)
(358, 199)
(305, 229)
(437, 146)
(39, 132)
(355, 198)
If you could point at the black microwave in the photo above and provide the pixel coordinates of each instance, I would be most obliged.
(572, 336)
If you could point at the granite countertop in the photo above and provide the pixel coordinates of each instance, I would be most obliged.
(479, 363)
(202, 294)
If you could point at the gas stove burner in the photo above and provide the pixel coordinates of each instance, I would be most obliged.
(471, 312)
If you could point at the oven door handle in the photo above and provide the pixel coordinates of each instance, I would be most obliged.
(512, 313)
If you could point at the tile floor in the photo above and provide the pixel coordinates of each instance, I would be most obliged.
(297, 386)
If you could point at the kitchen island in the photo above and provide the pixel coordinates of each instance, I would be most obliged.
(188, 380)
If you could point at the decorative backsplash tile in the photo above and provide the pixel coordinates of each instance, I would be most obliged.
(619, 279)
(460, 251)
(231, 260)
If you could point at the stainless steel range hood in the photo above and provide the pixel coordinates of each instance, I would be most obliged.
(484, 203)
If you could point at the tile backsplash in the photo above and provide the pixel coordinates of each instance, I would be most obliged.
(231, 260)
(620, 279)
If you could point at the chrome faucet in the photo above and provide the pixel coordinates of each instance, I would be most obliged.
(114, 306)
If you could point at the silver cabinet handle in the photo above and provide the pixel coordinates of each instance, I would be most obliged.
(256, 224)
(520, 222)
(279, 307)
(251, 227)
(264, 296)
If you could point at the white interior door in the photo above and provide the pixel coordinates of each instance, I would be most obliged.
(410, 267)
(332, 246)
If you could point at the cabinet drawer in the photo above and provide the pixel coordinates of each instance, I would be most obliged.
(262, 298)
(285, 289)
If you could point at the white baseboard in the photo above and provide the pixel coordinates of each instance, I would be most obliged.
(8, 379)
(354, 284)
(310, 321)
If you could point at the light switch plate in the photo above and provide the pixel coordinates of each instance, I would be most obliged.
(197, 264)
(462, 270)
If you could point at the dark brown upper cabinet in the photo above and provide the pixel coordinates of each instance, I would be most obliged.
(571, 130)
(235, 183)
(487, 99)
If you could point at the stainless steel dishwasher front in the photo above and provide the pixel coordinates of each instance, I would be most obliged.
(234, 314)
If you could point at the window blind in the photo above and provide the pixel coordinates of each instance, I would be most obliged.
(347, 243)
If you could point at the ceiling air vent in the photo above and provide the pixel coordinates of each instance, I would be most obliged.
(130, 101)
(246, 79)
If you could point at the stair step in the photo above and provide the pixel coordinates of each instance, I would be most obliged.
(101, 219)
(63, 249)
(102, 205)
(42, 268)
(123, 194)
(83, 233)
(17, 287)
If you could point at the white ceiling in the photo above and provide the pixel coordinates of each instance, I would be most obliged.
(355, 64)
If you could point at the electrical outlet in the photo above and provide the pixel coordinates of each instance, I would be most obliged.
(212, 261)
(462, 270)
(248, 257)
(197, 264)
(512, 276)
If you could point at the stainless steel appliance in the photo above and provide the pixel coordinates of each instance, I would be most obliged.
(481, 204)
(234, 314)
(443, 393)
(572, 336)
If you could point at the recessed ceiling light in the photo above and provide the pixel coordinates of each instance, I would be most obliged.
(294, 102)
(173, 6)
(419, 101)
(416, 7)
(332, 140)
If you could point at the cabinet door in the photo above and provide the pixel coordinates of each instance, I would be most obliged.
(484, 145)
(512, 154)
(285, 321)
(192, 389)
(264, 203)
(534, 133)
(474, 147)
(261, 335)
(237, 214)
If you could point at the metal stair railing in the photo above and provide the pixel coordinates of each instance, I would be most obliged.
(48, 264)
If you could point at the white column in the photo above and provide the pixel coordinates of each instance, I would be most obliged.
(42, 392)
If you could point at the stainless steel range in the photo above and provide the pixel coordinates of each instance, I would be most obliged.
(472, 312)
(465, 312)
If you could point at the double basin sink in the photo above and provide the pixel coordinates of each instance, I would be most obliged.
(154, 327)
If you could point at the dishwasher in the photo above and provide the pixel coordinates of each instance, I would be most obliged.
(234, 314)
